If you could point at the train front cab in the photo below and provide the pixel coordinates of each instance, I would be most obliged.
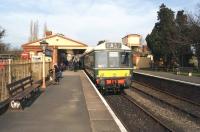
(113, 70)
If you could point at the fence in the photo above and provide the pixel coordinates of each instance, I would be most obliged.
(12, 70)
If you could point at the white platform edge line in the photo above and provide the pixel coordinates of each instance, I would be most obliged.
(120, 125)
(195, 84)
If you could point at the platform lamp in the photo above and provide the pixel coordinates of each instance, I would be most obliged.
(44, 46)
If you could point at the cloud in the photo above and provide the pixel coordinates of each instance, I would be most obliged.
(87, 21)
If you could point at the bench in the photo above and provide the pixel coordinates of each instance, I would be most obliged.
(20, 90)
(187, 70)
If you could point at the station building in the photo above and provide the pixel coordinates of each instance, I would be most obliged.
(140, 51)
(134, 41)
(59, 46)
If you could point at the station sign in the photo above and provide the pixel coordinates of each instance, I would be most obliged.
(25, 55)
(48, 52)
(111, 45)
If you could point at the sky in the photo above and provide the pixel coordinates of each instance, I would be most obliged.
(87, 21)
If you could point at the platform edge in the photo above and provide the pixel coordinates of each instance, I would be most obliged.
(118, 122)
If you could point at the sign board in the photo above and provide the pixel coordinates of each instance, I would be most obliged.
(36, 58)
(110, 45)
(25, 55)
(48, 52)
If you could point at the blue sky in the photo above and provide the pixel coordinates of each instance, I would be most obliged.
(87, 21)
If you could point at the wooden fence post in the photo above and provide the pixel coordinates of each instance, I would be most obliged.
(9, 71)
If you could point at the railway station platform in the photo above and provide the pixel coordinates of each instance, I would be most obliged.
(190, 79)
(71, 106)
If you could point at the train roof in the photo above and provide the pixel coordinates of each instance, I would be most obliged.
(108, 46)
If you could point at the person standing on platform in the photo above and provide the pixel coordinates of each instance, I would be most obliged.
(69, 60)
(75, 62)
(60, 67)
(57, 73)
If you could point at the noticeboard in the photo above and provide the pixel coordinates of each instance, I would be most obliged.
(48, 52)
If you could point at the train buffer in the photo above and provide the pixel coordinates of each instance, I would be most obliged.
(71, 106)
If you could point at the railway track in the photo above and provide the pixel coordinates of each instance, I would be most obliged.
(170, 94)
(187, 106)
(134, 116)
(178, 115)
(139, 110)
(180, 89)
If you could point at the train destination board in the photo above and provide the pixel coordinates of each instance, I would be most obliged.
(110, 45)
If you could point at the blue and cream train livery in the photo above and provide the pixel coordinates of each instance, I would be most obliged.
(109, 65)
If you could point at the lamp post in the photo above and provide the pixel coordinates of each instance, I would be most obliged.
(44, 45)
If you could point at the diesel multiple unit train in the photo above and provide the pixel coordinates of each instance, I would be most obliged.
(109, 65)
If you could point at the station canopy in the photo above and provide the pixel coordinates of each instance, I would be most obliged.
(57, 40)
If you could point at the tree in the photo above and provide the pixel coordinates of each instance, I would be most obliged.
(101, 41)
(183, 41)
(4, 48)
(2, 45)
(168, 33)
(194, 23)
(160, 40)
(154, 44)
(2, 32)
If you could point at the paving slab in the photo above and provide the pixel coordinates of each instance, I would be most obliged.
(60, 108)
(100, 118)
(71, 106)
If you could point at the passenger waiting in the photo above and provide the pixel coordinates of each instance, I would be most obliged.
(57, 74)
(75, 63)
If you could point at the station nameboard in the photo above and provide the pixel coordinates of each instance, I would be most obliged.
(48, 52)
(111, 45)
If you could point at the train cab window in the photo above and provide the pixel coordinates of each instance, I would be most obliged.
(113, 59)
(101, 59)
(125, 59)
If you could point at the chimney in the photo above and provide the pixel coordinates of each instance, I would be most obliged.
(48, 33)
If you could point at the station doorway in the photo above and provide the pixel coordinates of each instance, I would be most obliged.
(65, 56)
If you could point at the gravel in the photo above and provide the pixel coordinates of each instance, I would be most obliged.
(176, 119)
(132, 116)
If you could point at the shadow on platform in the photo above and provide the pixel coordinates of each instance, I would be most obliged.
(25, 103)
(30, 101)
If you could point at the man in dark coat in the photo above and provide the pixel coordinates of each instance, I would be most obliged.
(56, 74)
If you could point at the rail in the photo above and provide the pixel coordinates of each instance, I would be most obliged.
(165, 126)
(171, 100)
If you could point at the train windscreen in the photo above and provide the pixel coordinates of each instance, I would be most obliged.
(101, 60)
(125, 59)
(112, 59)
